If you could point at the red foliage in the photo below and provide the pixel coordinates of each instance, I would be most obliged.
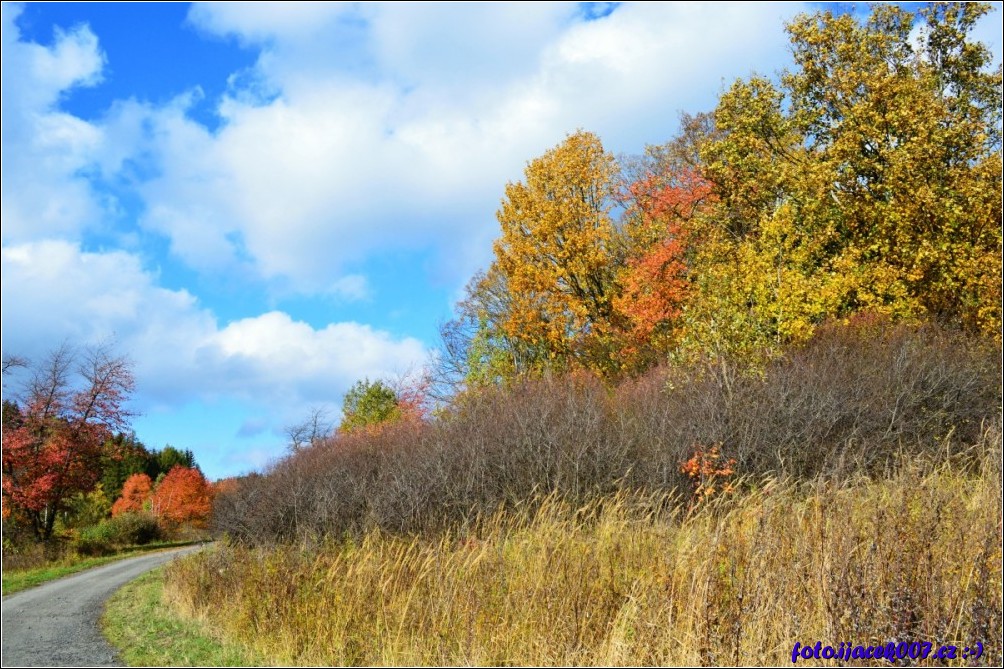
(183, 496)
(669, 197)
(654, 281)
(135, 492)
(413, 400)
(654, 285)
(54, 449)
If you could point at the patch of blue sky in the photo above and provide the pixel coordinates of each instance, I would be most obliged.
(592, 11)
(152, 54)
(210, 430)
(397, 297)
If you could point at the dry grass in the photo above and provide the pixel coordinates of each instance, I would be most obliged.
(631, 579)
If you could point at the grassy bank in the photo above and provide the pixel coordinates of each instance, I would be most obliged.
(630, 580)
(15, 581)
(150, 634)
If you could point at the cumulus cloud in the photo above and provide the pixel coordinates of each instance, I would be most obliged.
(53, 291)
(380, 127)
(389, 125)
(45, 151)
(264, 21)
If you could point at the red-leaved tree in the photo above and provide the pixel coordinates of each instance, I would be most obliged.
(183, 496)
(135, 492)
(654, 279)
(69, 407)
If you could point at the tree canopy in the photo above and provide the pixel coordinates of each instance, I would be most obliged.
(864, 179)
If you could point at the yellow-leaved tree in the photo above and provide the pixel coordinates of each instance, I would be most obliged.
(556, 255)
(868, 179)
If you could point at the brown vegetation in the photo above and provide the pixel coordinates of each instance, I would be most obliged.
(632, 579)
(853, 400)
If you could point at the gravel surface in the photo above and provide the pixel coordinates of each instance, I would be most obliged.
(56, 624)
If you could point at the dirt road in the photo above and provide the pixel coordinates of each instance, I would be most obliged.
(56, 624)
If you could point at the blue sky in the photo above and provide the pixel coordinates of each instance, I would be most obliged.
(263, 203)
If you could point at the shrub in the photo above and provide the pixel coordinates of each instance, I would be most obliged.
(95, 540)
(855, 399)
(126, 529)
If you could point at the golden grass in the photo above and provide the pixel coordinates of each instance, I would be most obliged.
(630, 579)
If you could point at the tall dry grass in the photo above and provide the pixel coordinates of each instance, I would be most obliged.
(630, 579)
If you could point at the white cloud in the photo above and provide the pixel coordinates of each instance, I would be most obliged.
(392, 125)
(264, 21)
(45, 150)
(52, 291)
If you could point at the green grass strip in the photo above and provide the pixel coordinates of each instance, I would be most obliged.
(16, 581)
(148, 633)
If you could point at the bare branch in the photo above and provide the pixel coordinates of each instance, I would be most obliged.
(12, 361)
(312, 430)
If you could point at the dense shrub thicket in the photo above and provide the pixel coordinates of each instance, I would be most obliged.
(856, 398)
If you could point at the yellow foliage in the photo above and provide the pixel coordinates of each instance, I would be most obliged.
(556, 252)
(869, 181)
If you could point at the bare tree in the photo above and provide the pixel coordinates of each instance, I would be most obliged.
(315, 428)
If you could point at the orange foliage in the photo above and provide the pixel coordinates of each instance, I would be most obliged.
(183, 496)
(669, 197)
(654, 280)
(707, 473)
(227, 485)
(135, 492)
(413, 400)
(654, 285)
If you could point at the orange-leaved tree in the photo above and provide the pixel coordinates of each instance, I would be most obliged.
(557, 253)
(653, 280)
(135, 493)
(183, 497)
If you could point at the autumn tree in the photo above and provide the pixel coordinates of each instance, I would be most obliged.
(135, 493)
(183, 496)
(557, 257)
(868, 179)
(11, 362)
(653, 282)
(69, 407)
(87, 508)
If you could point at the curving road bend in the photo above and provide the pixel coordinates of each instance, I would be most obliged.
(56, 624)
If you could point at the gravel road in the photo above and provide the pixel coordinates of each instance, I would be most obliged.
(56, 624)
